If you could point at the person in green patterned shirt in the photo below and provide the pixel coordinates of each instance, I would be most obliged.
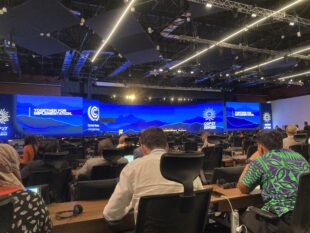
(277, 171)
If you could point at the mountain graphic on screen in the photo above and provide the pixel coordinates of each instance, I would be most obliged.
(240, 123)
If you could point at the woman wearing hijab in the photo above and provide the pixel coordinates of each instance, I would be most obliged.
(30, 213)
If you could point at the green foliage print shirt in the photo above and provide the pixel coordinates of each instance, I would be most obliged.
(277, 172)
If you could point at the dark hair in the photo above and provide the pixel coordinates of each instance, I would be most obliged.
(31, 140)
(271, 139)
(306, 122)
(154, 138)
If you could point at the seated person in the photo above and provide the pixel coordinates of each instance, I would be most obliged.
(30, 149)
(142, 177)
(100, 160)
(277, 171)
(290, 141)
(122, 141)
(30, 217)
(206, 144)
(138, 153)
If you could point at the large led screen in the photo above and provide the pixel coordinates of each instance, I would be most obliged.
(6, 116)
(191, 118)
(49, 115)
(242, 115)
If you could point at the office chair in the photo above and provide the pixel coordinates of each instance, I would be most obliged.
(6, 214)
(94, 189)
(108, 171)
(182, 212)
(229, 174)
(302, 149)
(301, 213)
(213, 157)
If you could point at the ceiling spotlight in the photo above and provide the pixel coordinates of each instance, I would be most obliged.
(1, 12)
(298, 34)
(150, 98)
(283, 37)
(114, 96)
(292, 24)
(133, 9)
(208, 5)
(192, 72)
(188, 19)
(48, 34)
(246, 29)
(6, 64)
(172, 99)
(227, 75)
(253, 15)
(221, 75)
(179, 71)
(5, 10)
(41, 34)
(262, 78)
(164, 99)
(149, 30)
(120, 55)
(160, 70)
(157, 47)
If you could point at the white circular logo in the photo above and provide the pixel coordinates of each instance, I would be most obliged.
(4, 116)
(267, 117)
(93, 113)
(209, 114)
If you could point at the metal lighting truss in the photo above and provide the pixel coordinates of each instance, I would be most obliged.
(249, 9)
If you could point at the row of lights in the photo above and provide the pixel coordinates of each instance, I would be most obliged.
(133, 97)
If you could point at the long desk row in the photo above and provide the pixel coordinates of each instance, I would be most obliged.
(90, 220)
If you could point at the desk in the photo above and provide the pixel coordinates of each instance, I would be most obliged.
(231, 161)
(230, 150)
(91, 219)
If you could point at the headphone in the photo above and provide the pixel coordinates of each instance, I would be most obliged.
(77, 210)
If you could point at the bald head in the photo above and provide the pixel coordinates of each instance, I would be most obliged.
(291, 130)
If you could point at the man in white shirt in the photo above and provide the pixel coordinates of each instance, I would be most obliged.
(290, 141)
(142, 177)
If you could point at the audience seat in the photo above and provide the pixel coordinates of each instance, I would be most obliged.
(94, 189)
(301, 213)
(6, 214)
(304, 150)
(103, 172)
(227, 174)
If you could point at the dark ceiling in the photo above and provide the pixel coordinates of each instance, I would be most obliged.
(66, 53)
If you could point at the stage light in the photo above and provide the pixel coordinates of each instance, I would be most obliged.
(48, 34)
(120, 19)
(172, 99)
(292, 24)
(233, 35)
(5, 10)
(209, 5)
(164, 99)
(41, 34)
(227, 75)
(272, 61)
(188, 19)
(157, 47)
(192, 72)
(253, 15)
(262, 78)
(298, 34)
(179, 71)
(150, 98)
(149, 30)
(282, 37)
(294, 75)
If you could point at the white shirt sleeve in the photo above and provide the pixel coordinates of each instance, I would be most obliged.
(120, 202)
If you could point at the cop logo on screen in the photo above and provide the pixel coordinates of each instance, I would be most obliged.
(4, 116)
(267, 117)
(209, 114)
(93, 113)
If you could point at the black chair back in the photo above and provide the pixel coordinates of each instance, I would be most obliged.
(109, 171)
(39, 177)
(94, 189)
(301, 214)
(164, 213)
(301, 137)
(6, 214)
(212, 158)
(229, 174)
(302, 149)
(181, 168)
(181, 212)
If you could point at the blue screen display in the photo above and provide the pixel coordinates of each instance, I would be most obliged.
(266, 116)
(134, 118)
(49, 115)
(6, 116)
(91, 117)
(242, 115)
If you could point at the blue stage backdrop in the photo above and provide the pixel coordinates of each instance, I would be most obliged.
(133, 118)
(242, 115)
(91, 117)
(7, 117)
(266, 116)
(49, 115)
